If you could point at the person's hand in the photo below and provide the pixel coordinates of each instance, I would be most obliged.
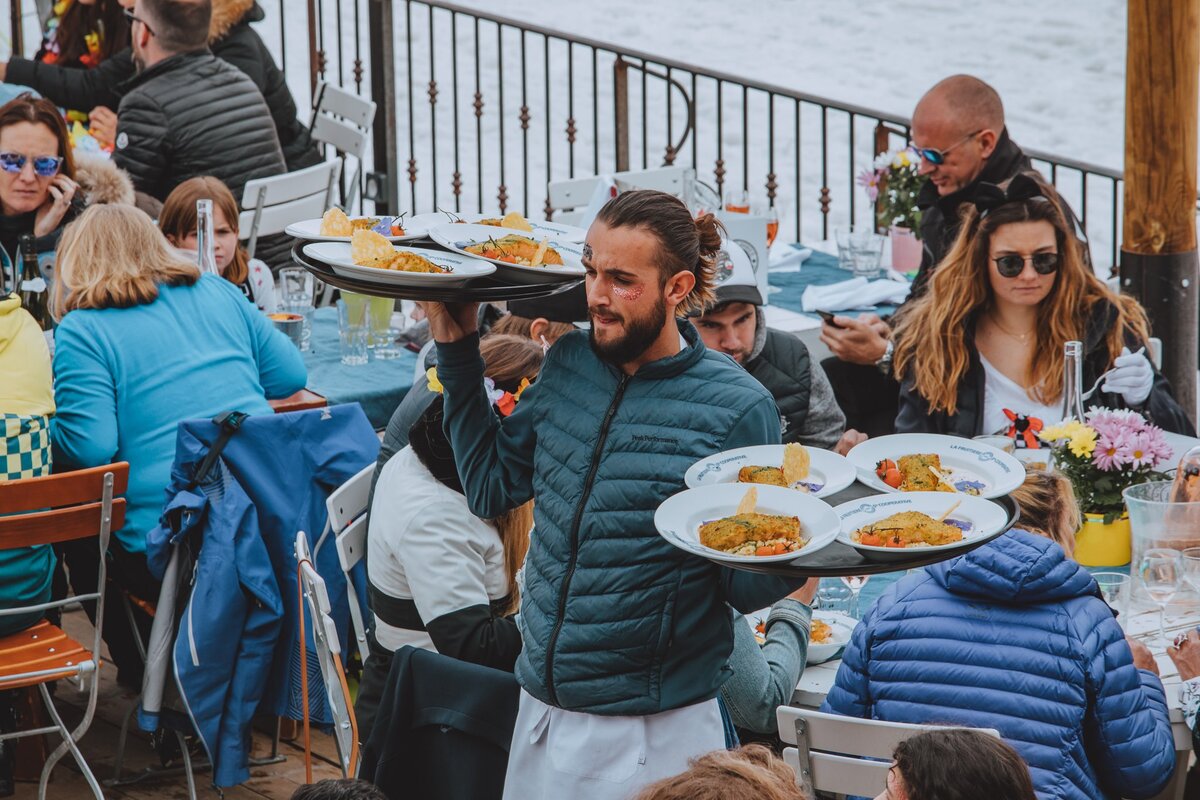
(102, 124)
(807, 592)
(1186, 654)
(850, 438)
(857, 341)
(1141, 655)
(1132, 376)
(449, 322)
(50, 215)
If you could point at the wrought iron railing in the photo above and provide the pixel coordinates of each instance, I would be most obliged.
(481, 112)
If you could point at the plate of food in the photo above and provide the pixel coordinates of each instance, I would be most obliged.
(889, 527)
(830, 632)
(518, 256)
(513, 220)
(806, 469)
(927, 462)
(734, 523)
(335, 226)
(370, 256)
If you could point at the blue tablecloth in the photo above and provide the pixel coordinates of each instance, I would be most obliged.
(819, 269)
(378, 386)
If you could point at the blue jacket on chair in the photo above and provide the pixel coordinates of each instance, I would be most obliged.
(1015, 636)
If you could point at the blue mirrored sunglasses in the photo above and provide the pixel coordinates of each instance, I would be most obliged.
(44, 166)
(938, 157)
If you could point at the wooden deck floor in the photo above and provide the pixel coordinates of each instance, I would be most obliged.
(275, 781)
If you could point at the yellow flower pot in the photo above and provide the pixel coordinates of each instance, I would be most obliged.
(1101, 545)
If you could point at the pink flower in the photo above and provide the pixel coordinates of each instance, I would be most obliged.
(869, 180)
(1111, 454)
(1140, 451)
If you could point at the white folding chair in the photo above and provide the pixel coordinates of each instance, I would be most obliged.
(347, 507)
(329, 655)
(569, 198)
(271, 204)
(844, 755)
(343, 120)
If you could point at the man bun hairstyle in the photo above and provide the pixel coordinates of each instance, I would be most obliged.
(181, 26)
(685, 244)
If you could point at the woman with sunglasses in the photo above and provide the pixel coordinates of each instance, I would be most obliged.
(982, 351)
(38, 192)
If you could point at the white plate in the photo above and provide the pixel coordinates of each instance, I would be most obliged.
(310, 230)
(459, 237)
(568, 233)
(966, 459)
(828, 470)
(464, 268)
(977, 517)
(818, 653)
(680, 516)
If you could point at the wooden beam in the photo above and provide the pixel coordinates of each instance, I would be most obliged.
(1158, 252)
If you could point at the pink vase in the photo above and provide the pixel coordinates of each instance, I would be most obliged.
(906, 250)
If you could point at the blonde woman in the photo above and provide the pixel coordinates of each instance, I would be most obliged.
(982, 351)
(440, 577)
(144, 342)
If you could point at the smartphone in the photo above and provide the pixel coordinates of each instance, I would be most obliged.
(828, 317)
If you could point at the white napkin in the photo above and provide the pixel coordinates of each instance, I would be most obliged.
(854, 293)
(787, 258)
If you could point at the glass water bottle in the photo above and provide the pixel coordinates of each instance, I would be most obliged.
(204, 238)
(1073, 381)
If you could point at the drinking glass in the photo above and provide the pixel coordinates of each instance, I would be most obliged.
(855, 583)
(737, 201)
(1115, 588)
(383, 334)
(1161, 570)
(832, 596)
(1191, 566)
(297, 288)
(353, 331)
(860, 250)
(771, 213)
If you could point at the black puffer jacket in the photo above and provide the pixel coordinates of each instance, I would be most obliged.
(1160, 407)
(231, 39)
(193, 114)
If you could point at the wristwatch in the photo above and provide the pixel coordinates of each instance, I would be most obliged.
(884, 364)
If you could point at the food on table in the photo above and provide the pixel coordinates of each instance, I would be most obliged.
(519, 250)
(748, 533)
(336, 223)
(889, 473)
(364, 223)
(820, 633)
(794, 470)
(907, 529)
(512, 220)
(923, 472)
(370, 249)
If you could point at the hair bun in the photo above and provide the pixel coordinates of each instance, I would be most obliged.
(710, 232)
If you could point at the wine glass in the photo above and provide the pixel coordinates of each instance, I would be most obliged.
(737, 201)
(1191, 566)
(833, 596)
(770, 212)
(856, 583)
(1161, 570)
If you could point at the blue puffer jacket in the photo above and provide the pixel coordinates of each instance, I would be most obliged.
(614, 620)
(1014, 636)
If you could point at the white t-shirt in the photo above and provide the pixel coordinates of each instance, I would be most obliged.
(424, 543)
(1001, 392)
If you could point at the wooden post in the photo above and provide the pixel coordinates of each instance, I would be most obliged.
(1158, 251)
(621, 113)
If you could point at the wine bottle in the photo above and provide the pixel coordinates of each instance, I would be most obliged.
(204, 238)
(1073, 381)
(35, 297)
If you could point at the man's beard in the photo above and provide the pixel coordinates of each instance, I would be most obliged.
(639, 335)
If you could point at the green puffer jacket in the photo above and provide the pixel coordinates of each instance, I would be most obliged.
(614, 619)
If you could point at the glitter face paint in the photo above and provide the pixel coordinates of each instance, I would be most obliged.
(587, 252)
(628, 293)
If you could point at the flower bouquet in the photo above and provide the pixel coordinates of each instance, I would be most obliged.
(1104, 454)
(892, 184)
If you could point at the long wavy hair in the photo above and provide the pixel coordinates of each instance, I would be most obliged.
(931, 336)
(177, 220)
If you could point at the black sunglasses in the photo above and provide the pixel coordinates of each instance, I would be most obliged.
(1011, 266)
(129, 15)
(938, 157)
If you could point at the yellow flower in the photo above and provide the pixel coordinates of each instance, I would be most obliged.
(1083, 442)
(901, 160)
(434, 384)
(1052, 434)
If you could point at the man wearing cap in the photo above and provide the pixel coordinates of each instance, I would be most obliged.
(736, 326)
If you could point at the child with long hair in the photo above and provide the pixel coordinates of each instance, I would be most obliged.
(178, 223)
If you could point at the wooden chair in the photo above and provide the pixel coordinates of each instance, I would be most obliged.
(274, 203)
(348, 523)
(569, 198)
(844, 755)
(329, 655)
(300, 401)
(44, 511)
(343, 121)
